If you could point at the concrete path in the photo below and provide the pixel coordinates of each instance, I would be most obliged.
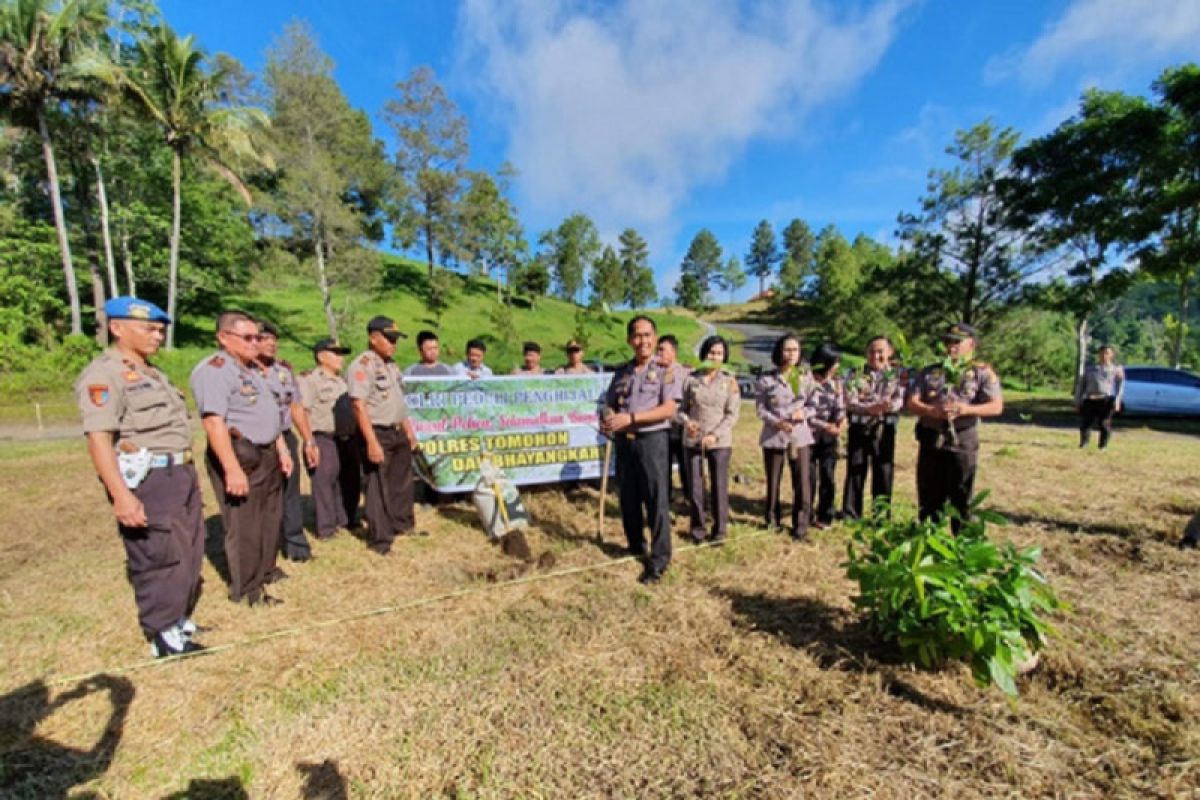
(756, 340)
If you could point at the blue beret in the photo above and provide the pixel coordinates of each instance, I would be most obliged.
(133, 308)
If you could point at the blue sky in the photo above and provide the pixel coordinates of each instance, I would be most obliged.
(674, 115)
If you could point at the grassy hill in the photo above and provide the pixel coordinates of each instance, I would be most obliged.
(293, 303)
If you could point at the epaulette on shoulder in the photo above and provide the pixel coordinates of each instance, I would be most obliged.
(366, 359)
(306, 373)
(216, 361)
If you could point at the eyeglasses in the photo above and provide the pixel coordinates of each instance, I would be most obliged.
(245, 337)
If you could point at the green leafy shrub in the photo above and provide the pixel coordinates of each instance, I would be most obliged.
(941, 596)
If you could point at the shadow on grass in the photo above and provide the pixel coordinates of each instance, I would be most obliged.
(214, 546)
(835, 638)
(35, 766)
(1120, 531)
(322, 781)
(1058, 412)
(230, 788)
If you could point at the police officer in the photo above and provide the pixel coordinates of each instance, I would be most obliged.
(667, 353)
(639, 405)
(1098, 395)
(376, 390)
(709, 410)
(139, 441)
(950, 398)
(285, 388)
(335, 470)
(827, 419)
(781, 402)
(247, 456)
(874, 397)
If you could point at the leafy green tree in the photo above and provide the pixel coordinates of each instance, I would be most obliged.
(170, 83)
(642, 292)
(571, 249)
(332, 173)
(1033, 345)
(799, 245)
(635, 258)
(763, 255)
(608, 285)
(689, 292)
(492, 236)
(839, 275)
(1171, 249)
(964, 229)
(39, 46)
(1077, 190)
(431, 157)
(732, 277)
(533, 278)
(703, 262)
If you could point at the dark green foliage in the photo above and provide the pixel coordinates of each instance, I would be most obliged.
(764, 253)
(942, 597)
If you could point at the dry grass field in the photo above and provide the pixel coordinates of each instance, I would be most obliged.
(745, 674)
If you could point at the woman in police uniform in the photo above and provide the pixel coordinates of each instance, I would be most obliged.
(709, 411)
(783, 394)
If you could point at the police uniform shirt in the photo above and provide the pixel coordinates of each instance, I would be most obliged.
(776, 402)
(134, 400)
(226, 388)
(1101, 381)
(634, 390)
(325, 398)
(380, 386)
(826, 404)
(712, 406)
(871, 387)
(285, 388)
(977, 384)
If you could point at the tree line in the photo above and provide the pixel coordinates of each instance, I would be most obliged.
(1028, 241)
(176, 174)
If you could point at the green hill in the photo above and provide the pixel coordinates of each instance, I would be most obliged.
(293, 303)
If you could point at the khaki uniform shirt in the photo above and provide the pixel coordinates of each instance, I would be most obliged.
(713, 406)
(325, 397)
(827, 404)
(135, 401)
(380, 386)
(632, 390)
(775, 403)
(871, 386)
(1099, 382)
(286, 389)
(978, 384)
(226, 388)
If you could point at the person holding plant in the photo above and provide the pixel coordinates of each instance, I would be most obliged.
(874, 397)
(1098, 396)
(949, 398)
(782, 397)
(827, 419)
(709, 410)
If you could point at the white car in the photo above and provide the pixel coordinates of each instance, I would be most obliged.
(1161, 390)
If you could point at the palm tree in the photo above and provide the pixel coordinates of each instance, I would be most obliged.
(170, 84)
(38, 46)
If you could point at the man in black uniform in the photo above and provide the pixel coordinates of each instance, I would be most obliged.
(140, 443)
(247, 456)
(950, 398)
(639, 407)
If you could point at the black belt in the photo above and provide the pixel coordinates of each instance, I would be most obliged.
(331, 435)
(633, 435)
(395, 426)
(863, 419)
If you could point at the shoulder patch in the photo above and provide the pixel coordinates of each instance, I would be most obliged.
(359, 375)
(98, 394)
(216, 361)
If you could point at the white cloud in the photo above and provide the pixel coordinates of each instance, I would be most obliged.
(620, 110)
(1105, 34)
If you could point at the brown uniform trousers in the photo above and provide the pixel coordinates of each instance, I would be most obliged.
(773, 461)
(718, 490)
(389, 489)
(946, 474)
(336, 483)
(251, 522)
(163, 559)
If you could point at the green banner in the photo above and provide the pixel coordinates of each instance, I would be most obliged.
(536, 429)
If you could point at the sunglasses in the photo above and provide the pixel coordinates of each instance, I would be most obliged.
(245, 337)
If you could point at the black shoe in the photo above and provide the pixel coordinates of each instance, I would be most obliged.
(635, 552)
(650, 576)
(1188, 543)
(164, 650)
(276, 575)
(799, 534)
